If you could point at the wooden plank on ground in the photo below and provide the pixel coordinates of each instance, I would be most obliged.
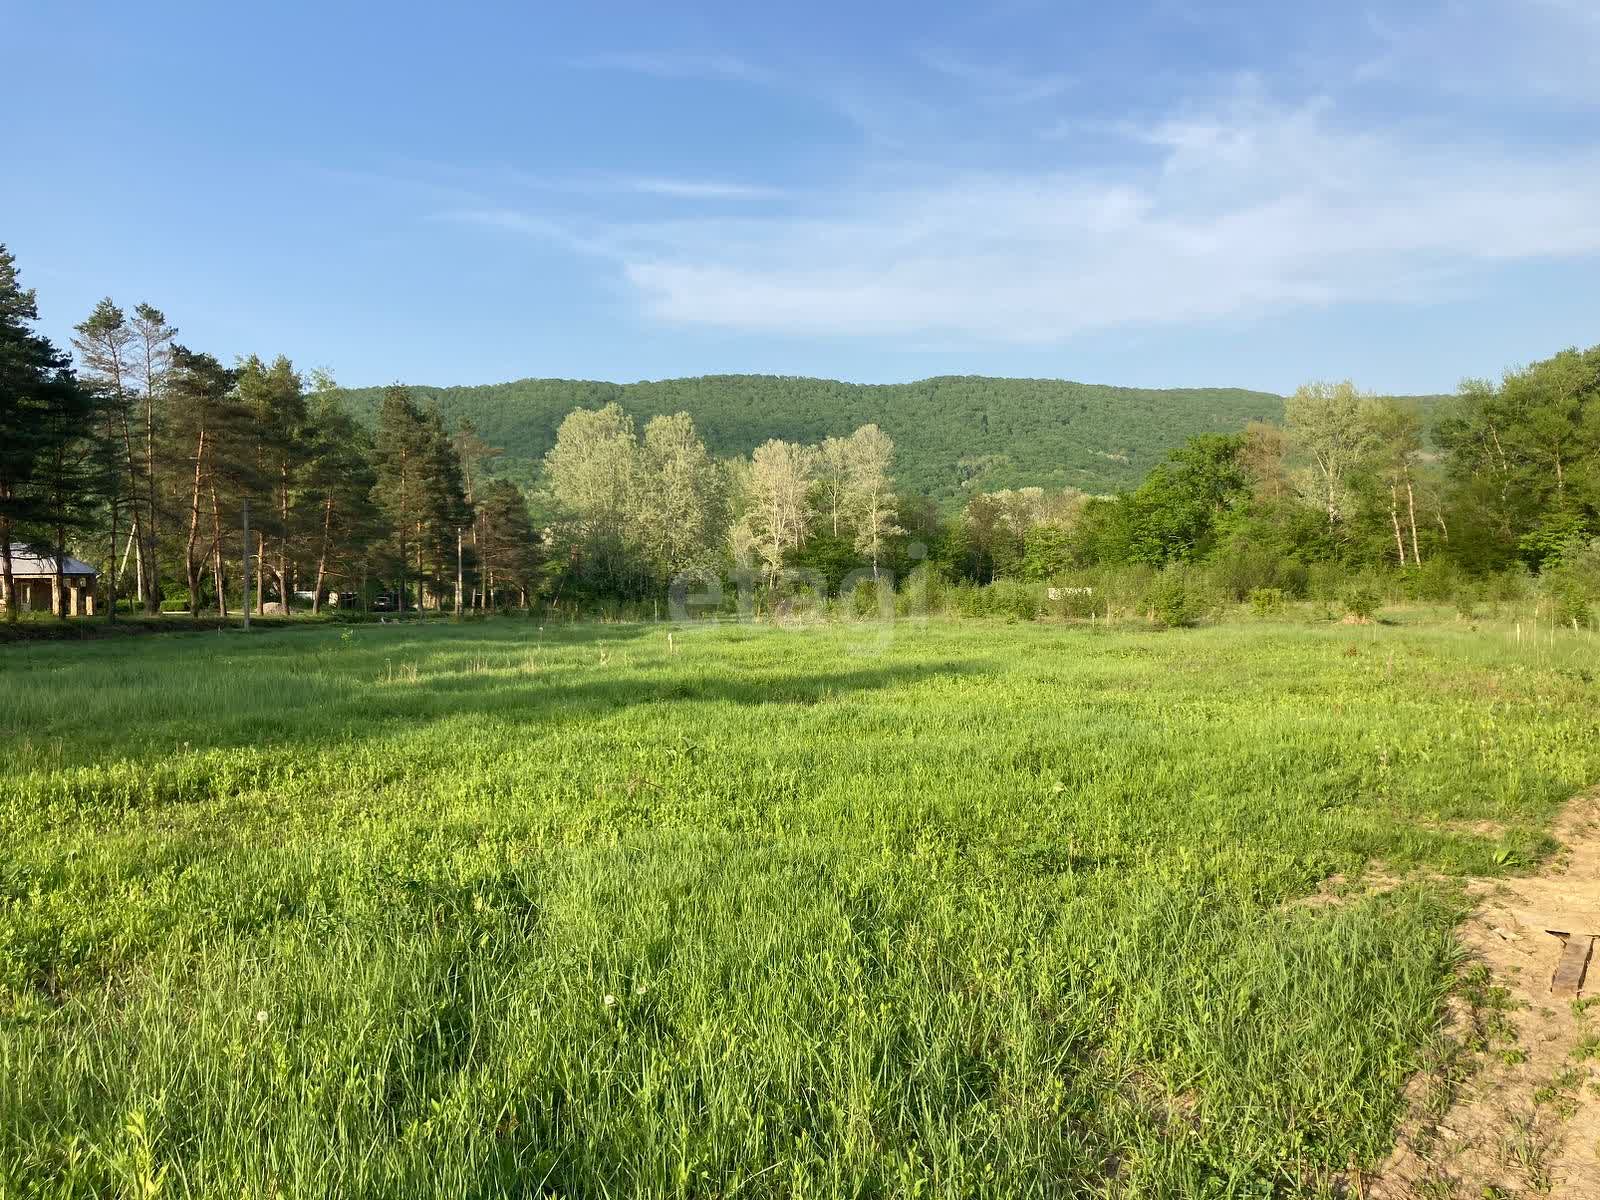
(1574, 961)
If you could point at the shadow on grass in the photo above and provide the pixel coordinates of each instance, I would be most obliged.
(266, 736)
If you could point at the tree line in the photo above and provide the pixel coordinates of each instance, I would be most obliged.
(146, 453)
(146, 456)
(1509, 479)
(953, 434)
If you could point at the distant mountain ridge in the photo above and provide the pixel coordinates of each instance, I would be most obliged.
(953, 433)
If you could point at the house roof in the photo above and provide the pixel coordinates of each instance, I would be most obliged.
(27, 562)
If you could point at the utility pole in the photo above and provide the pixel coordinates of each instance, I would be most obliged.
(458, 570)
(246, 596)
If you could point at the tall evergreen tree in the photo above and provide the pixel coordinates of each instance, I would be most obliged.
(337, 510)
(154, 339)
(207, 429)
(509, 552)
(28, 363)
(273, 399)
(106, 346)
(47, 423)
(400, 470)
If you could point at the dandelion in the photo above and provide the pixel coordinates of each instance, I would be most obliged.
(261, 1016)
(638, 989)
(610, 1000)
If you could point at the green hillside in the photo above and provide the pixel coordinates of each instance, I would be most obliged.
(952, 432)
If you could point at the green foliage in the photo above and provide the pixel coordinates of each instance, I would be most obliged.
(1047, 551)
(1362, 601)
(1176, 599)
(953, 434)
(1266, 602)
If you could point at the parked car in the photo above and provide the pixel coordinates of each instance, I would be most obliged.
(385, 602)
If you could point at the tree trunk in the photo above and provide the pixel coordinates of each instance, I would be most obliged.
(322, 555)
(405, 550)
(458, 572)
(422, 599)
(133, 487)
(111, 570)
(190, 565)
(216, 554)
(218, 581)
(1411, 506)
(283, 535)
(138, 560)
(8, 582)
(58, 582)
(1394, 517)
(152, 590)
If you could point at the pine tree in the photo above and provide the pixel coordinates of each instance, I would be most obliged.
(508, 551)
(153, 345)
(336, 508)
(273, 399)
(207, 431)
(47, 420)
(27, 362)
(400, 466)
(105, 345)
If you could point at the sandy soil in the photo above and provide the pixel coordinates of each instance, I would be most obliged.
(1511, 1105)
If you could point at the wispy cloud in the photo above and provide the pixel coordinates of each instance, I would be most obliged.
(665, 64)
(1235, 200)
(1243, 209)
(697, 189)
(996, 83)
(1543, 50)
(507, 220)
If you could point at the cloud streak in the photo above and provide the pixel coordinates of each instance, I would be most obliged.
(663, 64)
(1236, 211)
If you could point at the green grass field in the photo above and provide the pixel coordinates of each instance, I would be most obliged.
(968, 910)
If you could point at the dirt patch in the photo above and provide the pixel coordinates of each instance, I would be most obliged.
(1510, 1106)
(1342, 889)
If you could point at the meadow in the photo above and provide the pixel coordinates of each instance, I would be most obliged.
(939, 909)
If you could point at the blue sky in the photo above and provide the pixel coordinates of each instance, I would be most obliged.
(1180, 192)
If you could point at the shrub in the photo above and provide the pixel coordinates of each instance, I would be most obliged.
(1013, 600)
(1571, 602)
(1175, 601)
(1264, 601)
(1509, 586)
(1326, 580)
(1067, 597)
(1437, 581)
(968, 600)
(863, 598)
(921, 593)
(1362, 602)
(1239, 570)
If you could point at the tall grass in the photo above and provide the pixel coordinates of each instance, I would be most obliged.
(965, 909)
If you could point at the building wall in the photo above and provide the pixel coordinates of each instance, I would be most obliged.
(33, 594)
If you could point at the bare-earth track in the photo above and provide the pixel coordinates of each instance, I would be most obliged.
(1509, 1105)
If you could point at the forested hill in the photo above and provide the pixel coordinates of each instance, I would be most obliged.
(949, 431)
